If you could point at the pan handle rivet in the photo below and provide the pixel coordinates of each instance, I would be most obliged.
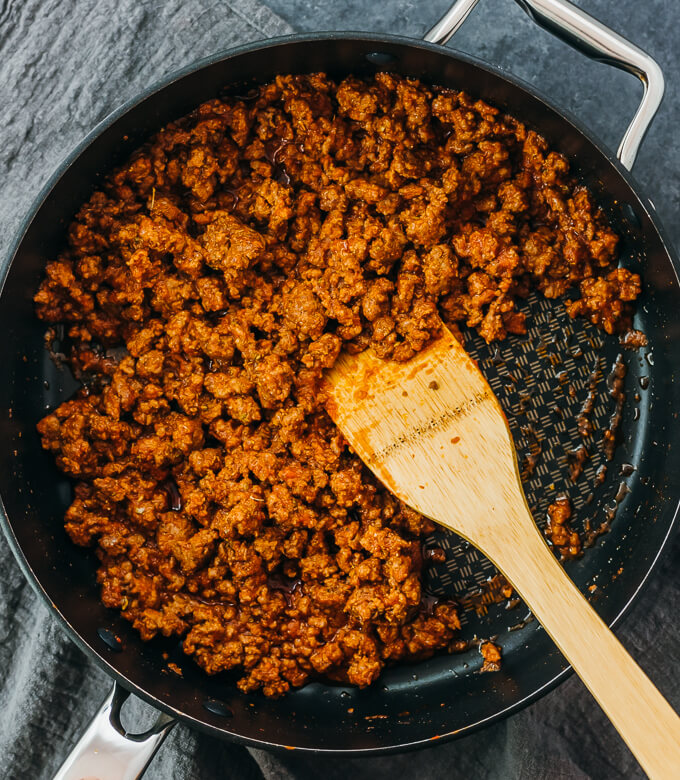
(630, 216)
(217, 707)
(110, 639)
(381, 58)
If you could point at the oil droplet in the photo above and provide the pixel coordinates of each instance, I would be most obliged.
(649, 357)
(644, 382)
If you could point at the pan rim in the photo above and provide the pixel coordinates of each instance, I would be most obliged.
(71, 158)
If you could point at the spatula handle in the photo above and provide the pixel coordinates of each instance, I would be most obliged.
(640, 714)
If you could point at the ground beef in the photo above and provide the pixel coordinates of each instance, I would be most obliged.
(558, 529)
(491, 654)
(204, 290)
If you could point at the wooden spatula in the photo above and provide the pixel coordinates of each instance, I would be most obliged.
(433, 432)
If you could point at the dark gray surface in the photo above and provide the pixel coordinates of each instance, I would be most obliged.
(63, 66)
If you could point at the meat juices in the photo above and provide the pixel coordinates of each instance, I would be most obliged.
(229, 262)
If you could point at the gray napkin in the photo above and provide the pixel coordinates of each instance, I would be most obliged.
(64, 64)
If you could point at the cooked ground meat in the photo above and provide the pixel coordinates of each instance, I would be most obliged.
(491, 654)
(559, 531)
(204, 290)
(633, 339)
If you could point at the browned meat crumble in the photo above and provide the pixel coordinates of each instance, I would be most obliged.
(491, 653)
(558, 529)
(204, 290)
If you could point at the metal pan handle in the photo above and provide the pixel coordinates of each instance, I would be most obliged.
(107, 752)
(594, 39)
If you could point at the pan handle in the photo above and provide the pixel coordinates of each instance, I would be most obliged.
(594, 39)
(107, 752)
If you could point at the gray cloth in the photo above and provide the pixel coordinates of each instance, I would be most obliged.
(64, 64)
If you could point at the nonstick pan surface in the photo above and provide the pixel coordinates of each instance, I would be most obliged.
(446, 695)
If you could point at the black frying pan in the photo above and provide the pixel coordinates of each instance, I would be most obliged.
(445, 696)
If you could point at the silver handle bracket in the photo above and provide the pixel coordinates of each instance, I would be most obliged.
(107, 751)
(594, 39)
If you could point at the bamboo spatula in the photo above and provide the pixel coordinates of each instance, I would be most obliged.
(433, 432)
